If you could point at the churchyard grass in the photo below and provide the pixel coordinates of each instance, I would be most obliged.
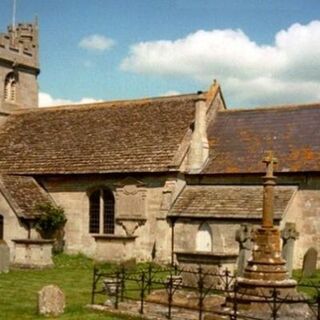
(73, 274)
(314, 279)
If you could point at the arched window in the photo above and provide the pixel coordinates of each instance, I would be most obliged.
(204, 238)
(101, 212)
(10, 87)
(108, 211)
(94, 212)
(1, 227)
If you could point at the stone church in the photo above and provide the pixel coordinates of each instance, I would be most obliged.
(168, 178)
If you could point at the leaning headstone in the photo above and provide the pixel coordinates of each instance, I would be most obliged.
(4, 256)
(244, 237)
(309, 262)
(289, 235)
(51, 301)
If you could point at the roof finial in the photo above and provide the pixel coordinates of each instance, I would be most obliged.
(14, 6)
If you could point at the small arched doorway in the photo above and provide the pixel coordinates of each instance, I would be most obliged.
(204, 238)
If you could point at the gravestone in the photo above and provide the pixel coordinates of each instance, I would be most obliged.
(309, 262)
(289, 235)
(4, 256)
(244, 237)
(51, 301)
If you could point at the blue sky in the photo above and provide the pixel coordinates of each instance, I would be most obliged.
(261, 51)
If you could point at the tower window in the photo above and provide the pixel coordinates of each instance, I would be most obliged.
(101, 212)
(10, 87)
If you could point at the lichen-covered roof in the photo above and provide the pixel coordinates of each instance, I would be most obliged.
(125, 136)
(238, 202)
(239, 139)
(22, 194)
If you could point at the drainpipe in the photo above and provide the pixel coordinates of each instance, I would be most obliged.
(173, 222)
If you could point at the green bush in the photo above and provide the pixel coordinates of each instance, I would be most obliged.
(50, 224)
(51, 219)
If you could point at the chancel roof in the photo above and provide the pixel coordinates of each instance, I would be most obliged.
(23, 194)
(125, 136)
(239, 139)
(235, 202)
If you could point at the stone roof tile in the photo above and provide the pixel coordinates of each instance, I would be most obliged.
(123, 136)
(23, 193)
(229, 201)
(239, 139)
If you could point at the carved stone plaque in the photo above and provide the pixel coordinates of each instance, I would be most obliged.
(131, 201)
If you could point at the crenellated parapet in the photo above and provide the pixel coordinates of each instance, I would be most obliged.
(19, 45)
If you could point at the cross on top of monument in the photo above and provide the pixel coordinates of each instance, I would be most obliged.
(270, 161)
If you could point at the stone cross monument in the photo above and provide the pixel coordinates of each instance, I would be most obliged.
(266, 270)
(266, 277)
(267, 263)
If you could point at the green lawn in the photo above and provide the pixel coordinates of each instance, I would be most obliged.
(18, 290)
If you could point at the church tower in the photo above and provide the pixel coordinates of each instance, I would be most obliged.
(19, 67)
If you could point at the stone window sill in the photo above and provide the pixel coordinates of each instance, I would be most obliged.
(113, 237)
(33, 241)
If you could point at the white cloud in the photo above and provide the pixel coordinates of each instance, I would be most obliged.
(170, 93)
(46, 100)
(96, 42)
(286, 71)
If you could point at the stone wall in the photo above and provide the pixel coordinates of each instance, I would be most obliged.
(138, 236)
(27, 88)
(19, 54)
(13, 228)
(223, 235)
(304, 211)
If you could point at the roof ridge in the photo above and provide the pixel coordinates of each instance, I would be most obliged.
(108, 103)
(279, 107)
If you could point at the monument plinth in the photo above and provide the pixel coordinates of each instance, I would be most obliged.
(266, 273)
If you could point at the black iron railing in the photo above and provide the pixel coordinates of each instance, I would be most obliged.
(136, 285)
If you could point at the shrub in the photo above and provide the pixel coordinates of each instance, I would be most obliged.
(51, 219)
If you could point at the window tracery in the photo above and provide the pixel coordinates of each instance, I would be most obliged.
(101, 212)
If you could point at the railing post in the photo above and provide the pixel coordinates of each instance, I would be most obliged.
(227, 273)
(318, 304)
(116, 303)
(274, 304)
(170, 295)
(142, 292)
(235, 302)
(175, 269)
(200, 287)
(123, 273)
(93, 285)
(149, 277)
